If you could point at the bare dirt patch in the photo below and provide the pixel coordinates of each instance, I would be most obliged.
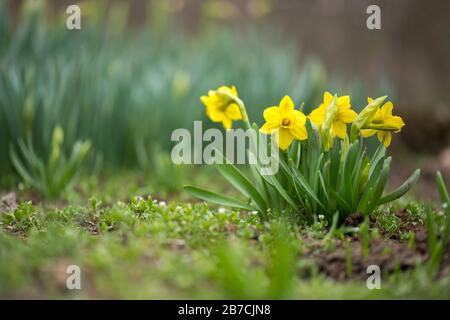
(348, 260)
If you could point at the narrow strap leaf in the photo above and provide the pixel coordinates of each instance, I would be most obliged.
(400, 191)
(304, 185)
(442, 189)
(242, 183)
(217, 198)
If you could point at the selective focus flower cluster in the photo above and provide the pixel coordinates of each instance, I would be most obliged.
(331, 117)
(325, 169)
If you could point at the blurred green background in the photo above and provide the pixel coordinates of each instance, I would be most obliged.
(136, 70)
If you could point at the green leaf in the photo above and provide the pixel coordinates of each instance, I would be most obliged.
(377, 156)
(375, 187)
(324, 187)
(335, 164)
(217, 198)
(442, 189)
(303, 183)
(379, 186)
(400, 191)
(314, 150)
(357, 178)
(272, 180)
(240, 182)
(341, 202)
(345, 179)
(260, 183)
(370, 188)
(283, 193)
(21, 169)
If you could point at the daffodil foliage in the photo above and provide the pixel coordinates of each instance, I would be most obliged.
(324, 170)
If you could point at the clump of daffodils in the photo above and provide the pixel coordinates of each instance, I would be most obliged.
(325, 169)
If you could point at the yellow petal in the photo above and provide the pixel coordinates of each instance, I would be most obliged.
(299, 132)
(340, 129)
(369, 100)
(210, 100)
(317, 115)
(378, 115)
(344, 102)
(204, 100)
(234, 91)
(299, 117)
(385, 137)
(215, 114)
(347, 116)
(327, 97)
(270, 127)
(284, 139)
(227, 90)
(272, 114)
(286, 104)
(233, 112)
(227, 123)
(386, 109)
(395, 121)
(368, 132)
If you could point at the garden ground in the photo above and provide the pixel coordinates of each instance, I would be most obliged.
(142, 247)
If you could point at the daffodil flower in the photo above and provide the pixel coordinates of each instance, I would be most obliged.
(383, 123)
(221, 106)
(286, 122)
(343, 115)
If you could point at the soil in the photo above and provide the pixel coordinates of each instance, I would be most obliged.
(8, 202)
(389, 254)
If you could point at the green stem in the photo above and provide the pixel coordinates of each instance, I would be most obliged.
(241, 105)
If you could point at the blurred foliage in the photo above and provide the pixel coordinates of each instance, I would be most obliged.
(127, 90)
(53, 175)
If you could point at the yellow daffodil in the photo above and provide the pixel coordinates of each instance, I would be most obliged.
(286, 122)
(383, 123)
(343, 114)
(221, 106)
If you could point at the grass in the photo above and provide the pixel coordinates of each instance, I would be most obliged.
(145, 248)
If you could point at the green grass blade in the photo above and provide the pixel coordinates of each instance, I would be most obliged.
(442, 189)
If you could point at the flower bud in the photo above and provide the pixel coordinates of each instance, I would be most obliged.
(57, 139)
(326, 130)
(365, 116)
